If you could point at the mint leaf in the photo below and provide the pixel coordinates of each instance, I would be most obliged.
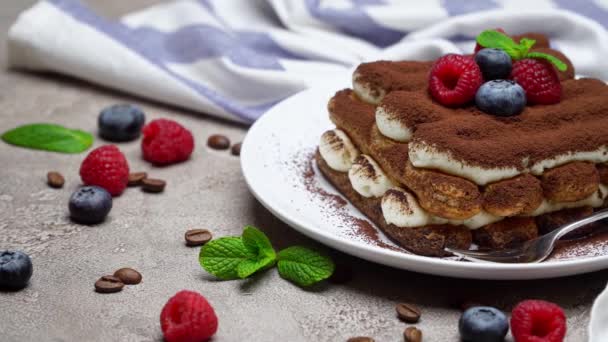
(561, 66)
(257, 243)
(496, 40)
(303, 266)
(240, 257)
(249, 267)
(525, 44)
(221, 257)
(49, 137)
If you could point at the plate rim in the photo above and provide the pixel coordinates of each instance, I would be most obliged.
(524, 271)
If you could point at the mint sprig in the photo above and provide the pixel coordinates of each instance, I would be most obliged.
(222, 257)
(49, 137)
(561, 66)
(517, 51)
(258, 243)
(240, 257)
(497, 40)
(304, 266)
(237, 257)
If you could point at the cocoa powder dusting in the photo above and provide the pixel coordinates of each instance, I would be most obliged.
(575, 124)
(540, 132)
(364, 229)
(389, 76)
(310, 183)
(335, 204)
(592, 246)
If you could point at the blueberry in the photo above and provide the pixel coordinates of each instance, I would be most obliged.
(501, 97)
(483, 324)
(15, 270)
(90, 205)
(494, 64)
(121, 122)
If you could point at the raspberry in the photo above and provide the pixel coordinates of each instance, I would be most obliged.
(188, 317)
(479, 47)
(166, 142)
(538, 321)
(539, 79)
(454, 80)
(106, 167)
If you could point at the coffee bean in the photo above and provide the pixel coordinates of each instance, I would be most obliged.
(360, 339)
(197, 237)
(236, 149)
(412, 334)
(408, 312)
(218, 142)
(136, 178)
(55, 179)
(153, 185)
(128, 276)
(108, 284)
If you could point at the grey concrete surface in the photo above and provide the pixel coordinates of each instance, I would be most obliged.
(145, 231)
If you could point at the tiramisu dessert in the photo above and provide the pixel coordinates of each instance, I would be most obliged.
(493, 148)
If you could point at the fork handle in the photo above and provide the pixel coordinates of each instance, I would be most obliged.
(559, 233)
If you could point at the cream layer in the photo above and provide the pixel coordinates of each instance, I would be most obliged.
(401, 208)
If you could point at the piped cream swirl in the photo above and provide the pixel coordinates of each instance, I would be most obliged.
(400, 207)
(337, 150)
(367, 178)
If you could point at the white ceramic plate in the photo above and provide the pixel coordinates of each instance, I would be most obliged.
(274, 159)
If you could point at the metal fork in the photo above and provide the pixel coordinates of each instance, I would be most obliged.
(535, 250)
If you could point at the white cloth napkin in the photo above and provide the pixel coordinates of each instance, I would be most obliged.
(237, 58)
(598, 327)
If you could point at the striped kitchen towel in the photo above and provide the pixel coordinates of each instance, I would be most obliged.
(237, 58)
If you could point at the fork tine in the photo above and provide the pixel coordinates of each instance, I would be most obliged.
(514, 256)
(485, 253)
(535, 250)
(466, 256)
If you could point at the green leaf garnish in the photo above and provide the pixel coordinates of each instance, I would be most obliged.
(240, 257)
(525, 44)
(222, 257)
(561, 66)
(49, 137)
(303, 266)
(497, 40)
(249, 267)
(257, 242)
(517, 51)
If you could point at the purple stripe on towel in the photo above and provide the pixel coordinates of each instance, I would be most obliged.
(147, 47)
(587, 8)
(368, 2)
(458, 7)
(207, 4)
(356, 22)
(263, 43)
(192, 43)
